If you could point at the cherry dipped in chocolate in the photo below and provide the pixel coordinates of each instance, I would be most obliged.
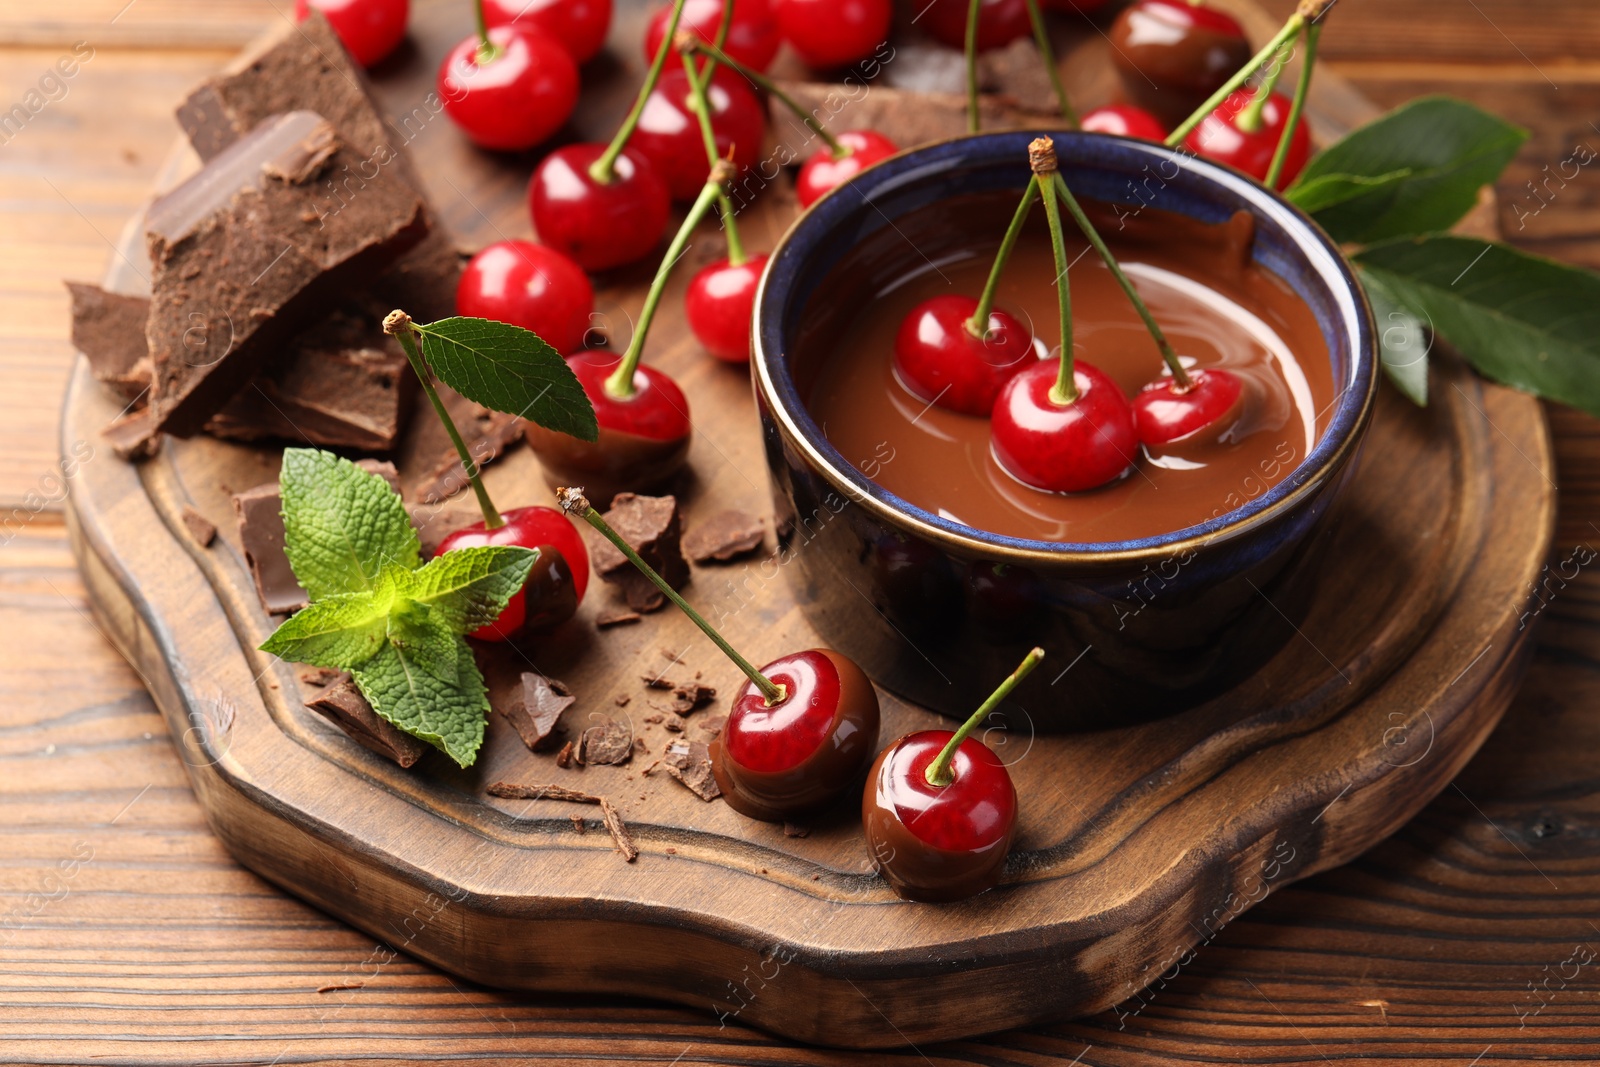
(508, 87)
(720, 306)
(532, 286)
(555, 586)
(579, 25)
(1166, 413)
(1173, 54)
(939, 810)
(798, 734)
(832, 166)
(752, 39)
(368, 29)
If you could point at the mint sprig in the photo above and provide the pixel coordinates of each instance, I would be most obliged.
(397, 627)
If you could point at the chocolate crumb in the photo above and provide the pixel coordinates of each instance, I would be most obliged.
(725, 536)
(672, 726)
(712, 728)
(653, 719)
(622, 701)
(616, 617)
(690, 763)
(578, 824)
(201, 528)
(609, 743)
(793, 830)
(672, 851)
(537, 707)
(564, 757)
(320, 677)
(608, 814)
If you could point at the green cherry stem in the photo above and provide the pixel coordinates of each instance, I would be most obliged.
(971, 51)
(1041, 37)
(939, 773)
(1249, 119)
(620, 383)
(1308, 60)
(771, 88)
(573, 502)
(978, 324)
(488, 51)
(1065, 391)
(398, 325)
(1180, 376)
(699, 78)
(602, 170)
(1290, 30)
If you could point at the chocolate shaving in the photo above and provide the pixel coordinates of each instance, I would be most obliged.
(725, 536)
(565, 756)
(537, 707)
(690, 763)
(339, 986)
(610, 743)
(200, 528)
(649, 524)
(608, 814)
(616, 617)
(347, 709)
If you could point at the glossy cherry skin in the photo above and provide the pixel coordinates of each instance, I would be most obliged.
(643, 442)
(563, 562)
(599, 226)
(1066, 448)
(720, 306)
(833, 33)
(753, 38)
(789, 759)
(1219, 137)
(938, 843)
(1125, 120)
(516, 100)
(1173, 54)
(823, 171)
(1161, 415)
(532, 286)
(999, 22)
(941, 361)
(579, 25)
(668, 134)
(369, 29)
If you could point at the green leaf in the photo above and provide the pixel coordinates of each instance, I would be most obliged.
(339, 631)
(1403, 340)
(342, 525)
(1416, 170)
(1523, 320)
(468, 588)
(509, 369)
(418, 633)
(449, 717)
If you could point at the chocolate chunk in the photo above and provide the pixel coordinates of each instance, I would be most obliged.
(108, 328)
(200, 528)
(537, 707)
(672, 726)
(608, 813)
(795, 830)
(565, 757)
(346, 708)
(621, 700)
(653, 720)
(686, 695)
(133, 435)
(726, 535)
(496, 433)
(649, 524)
(578, 825)
(248, 249)
(616, 617)
(611, 743)
(690, 763)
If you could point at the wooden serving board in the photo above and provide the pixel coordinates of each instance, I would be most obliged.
(1134, 844)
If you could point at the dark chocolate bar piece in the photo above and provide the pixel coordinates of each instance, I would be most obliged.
(346, 708)
(252, 247)
(108, 328)
(650, 526)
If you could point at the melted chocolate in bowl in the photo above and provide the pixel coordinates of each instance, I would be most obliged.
(1217, 308)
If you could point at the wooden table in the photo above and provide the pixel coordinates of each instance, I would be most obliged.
(127, 935)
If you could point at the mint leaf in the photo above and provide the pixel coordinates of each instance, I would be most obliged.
(341, 524)
(449, 717)
(1416, 170)
(337, 631)
(417, 632)
(1402, 340)
(468, 588)
(509, 369)
(1523, 320)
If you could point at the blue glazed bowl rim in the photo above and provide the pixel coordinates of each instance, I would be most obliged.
(774, 381)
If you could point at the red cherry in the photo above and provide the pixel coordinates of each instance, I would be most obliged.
(668, 134)
(517, 99)
(1162, 415)
(562, 554)
(369, 29)
(833, 33)
(580, 25)
(657, 409)
(823, 172)
(1125, 120)
(719, 307)
(1219, 137)
(1063, 448)
(752, 39)
(999, 22)
(531, 286)
(939, 359)
(598, 225)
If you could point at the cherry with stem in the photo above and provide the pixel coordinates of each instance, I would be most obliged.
(1249, 119)
(602, 170)
(1308, 61)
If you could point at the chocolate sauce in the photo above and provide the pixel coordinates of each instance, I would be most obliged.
(1216, 307)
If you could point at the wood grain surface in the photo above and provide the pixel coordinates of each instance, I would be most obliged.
(130, 937)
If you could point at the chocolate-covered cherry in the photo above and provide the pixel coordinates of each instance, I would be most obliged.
(719, 306)
(753, 37)
(942, 358)
(1125, 120)
(1244, 131)
(1173, 54)
(368, 29)
(510, 88)
(999, 22)
(669, 136)
(1165, 412)
(833, 33)
(579, 25)
(829, 168)
(1063, 445)
(532, 286)
(939, 810)
(556, 584)
(599, 223)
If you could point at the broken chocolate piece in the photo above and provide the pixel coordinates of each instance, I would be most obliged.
(496, 432)
(726, 535)
(133, 435)
(565, 757)
(616, 617)
(608, 814)
(248, 249)
(649, 524)
(609, 743)
(347, 709)
(537, 707)
(690, 763)
(686, 695)
(108, 328)
(200, 528)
